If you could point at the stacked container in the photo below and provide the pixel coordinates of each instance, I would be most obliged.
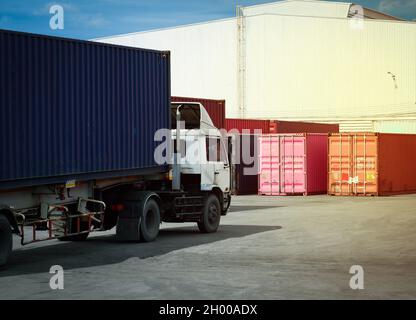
(241, 125)
(371, 164)
(215, 108)
(277, 126)
(292, 164)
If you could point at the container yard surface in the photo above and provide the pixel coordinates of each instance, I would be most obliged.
(266, 248)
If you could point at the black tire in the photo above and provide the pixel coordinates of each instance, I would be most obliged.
(77, 237)
(150, 221)
(211, 215)
(225, 211)
(6, 240)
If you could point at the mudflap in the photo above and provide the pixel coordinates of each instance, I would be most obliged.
(128, 224)
(128, 229)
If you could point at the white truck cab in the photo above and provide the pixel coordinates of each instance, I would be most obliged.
(203, 149)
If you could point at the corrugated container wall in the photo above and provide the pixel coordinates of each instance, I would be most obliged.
(215, 108)
(73, 109)
(293, 164)
(302, 127)
(283, 80)
(242, 125)
(371, 164)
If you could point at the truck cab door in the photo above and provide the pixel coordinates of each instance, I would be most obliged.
(216, 171)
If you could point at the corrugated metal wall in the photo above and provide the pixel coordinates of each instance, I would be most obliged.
(73, 107)
(302, 68)
(395, 126)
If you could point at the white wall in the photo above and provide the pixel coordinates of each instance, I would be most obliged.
(307, 68)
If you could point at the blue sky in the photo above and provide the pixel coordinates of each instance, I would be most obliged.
(87, 19)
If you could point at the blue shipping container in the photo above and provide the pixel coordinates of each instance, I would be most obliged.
(72, 109)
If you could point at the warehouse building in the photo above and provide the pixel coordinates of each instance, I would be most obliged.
(319, 61)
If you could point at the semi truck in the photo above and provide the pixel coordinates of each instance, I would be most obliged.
(91, 141)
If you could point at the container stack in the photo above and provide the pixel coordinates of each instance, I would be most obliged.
(288, 132)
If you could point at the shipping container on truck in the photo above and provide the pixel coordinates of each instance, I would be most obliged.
(371, 164)
(291, 164)
(80, 129)
(215, 108)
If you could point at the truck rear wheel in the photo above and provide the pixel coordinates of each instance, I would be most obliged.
(211, 215)
(6, 240)
(150, 222)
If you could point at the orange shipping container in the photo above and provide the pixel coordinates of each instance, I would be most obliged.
(371, 164)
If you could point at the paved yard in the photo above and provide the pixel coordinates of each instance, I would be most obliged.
(266, 248)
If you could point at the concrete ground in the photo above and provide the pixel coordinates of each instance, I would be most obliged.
(266, 248)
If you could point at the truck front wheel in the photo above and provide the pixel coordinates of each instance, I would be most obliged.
(150, 222)
(6, 240)
(211, 215)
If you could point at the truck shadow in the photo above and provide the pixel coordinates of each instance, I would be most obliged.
(105, 250)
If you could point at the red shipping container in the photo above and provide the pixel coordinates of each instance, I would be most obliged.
(277, 126)
(215, 108)
(293, 164)
(371, 164)
(248, 124)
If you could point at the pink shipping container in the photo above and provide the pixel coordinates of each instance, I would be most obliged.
(292, 164)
